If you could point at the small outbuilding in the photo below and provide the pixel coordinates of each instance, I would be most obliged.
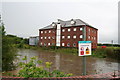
(34, 40)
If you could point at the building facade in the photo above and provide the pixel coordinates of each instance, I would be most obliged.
(67, 33)
(33, 40)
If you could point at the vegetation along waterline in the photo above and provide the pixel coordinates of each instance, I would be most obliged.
(11, 43)
(108, 52)
(34, 69)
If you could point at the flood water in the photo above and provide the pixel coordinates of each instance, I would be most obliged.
(69, 63)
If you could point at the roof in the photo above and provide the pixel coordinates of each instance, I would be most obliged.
(33, 36)
(78, 22)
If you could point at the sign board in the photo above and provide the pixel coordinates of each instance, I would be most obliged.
(84, 48)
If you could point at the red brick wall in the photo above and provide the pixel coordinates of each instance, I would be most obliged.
(93, 34)
(47, 34)
(71, 33)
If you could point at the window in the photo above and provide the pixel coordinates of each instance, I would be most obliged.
(45, 37)
(68, 44)
(63, 37)
(72, 22)
(41, 37)
(68, 30)
(88, 37)
(44, 44)
(81, 36)
(53, 24)
(63, 30)
(45, 31)
(68, 37)
(89, 30)
(74, 36)
(81, 29)
(53, 38)
(48, 43)
(74, 29)
(63, 44)
(53, 31)
(94, 38)
(49, 31)
(41, 31)
(74, 44)
(53, 44)
(49, 37)
(41, 43)
(92, 31)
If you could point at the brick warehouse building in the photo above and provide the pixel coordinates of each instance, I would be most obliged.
(67, 33)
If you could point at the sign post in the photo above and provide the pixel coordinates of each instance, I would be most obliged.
(84, 50)
(84, 65)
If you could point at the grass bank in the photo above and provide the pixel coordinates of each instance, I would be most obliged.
(108, 52)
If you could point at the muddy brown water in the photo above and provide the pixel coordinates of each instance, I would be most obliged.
(69, 63)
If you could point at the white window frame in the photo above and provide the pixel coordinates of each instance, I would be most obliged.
(94, 31)
(81, 29)
(45, 37)
(41, 32)
(72, 22)
(74, 45)
(74, 37)
(53, 24)
(88, 37)
(74, 29)
(68, 45)
(53, 44)
(89, 30)
(81, 36)
(69, 30)
(49, 31)
(68, 37)
(41, 43)
(53, 37)
(48, 44)
(49, 37)
(63, 44)
(44, 44)
(94, 38)
(63, 30)
(41, 37)
(63, 37)
(53, 31)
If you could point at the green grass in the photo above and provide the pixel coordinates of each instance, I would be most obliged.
(73, 51)
(107, 52)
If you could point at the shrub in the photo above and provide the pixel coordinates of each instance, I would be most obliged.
(30, 69)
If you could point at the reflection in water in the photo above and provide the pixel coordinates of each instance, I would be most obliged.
(71, 63)
(104, 66)
(57, 61)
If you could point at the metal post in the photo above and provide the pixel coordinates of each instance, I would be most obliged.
(84, 65)
(84, 57)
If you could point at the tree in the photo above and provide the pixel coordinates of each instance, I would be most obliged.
(8, 51)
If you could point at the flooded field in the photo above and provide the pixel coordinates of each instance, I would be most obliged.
(69, 63)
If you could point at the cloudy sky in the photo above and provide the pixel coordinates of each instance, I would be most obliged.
(24, 18)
